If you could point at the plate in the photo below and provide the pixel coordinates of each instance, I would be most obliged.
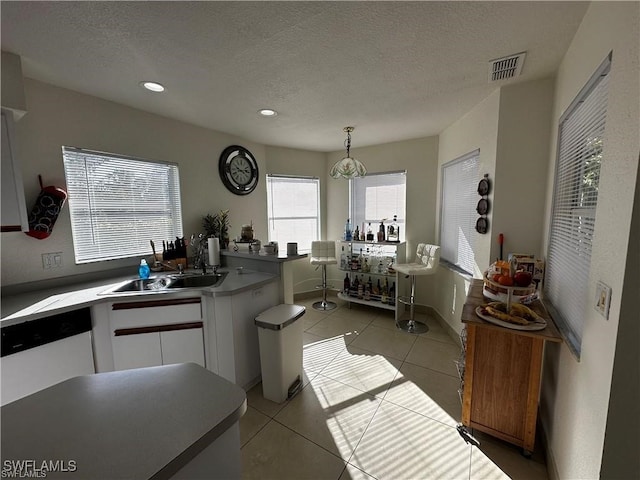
(514, 326)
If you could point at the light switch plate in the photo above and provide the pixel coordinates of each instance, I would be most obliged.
(602, 300)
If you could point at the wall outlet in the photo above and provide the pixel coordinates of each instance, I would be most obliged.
(51, 260)
(603, 299)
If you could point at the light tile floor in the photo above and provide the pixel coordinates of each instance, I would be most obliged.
(377, 403)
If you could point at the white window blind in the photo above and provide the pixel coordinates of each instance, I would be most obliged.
(293, 205)
(378, 196)
(117, 204)
(458, 213)
(575, 197)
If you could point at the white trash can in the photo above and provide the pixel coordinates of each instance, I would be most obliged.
(280, 339)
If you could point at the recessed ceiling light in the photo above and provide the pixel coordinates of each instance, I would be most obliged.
(152, 86)
(267, 112)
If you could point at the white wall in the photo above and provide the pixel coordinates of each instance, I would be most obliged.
(576, 394)
(477, 129)
(59, 117)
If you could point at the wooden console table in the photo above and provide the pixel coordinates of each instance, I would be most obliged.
(502, 374)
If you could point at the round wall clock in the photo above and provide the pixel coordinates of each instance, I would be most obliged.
(238, 170)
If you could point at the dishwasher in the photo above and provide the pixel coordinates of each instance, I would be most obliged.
(39, 353)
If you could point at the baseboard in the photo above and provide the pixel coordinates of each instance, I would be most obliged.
(552, 467)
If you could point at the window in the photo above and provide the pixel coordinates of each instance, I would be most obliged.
(458, 213)
(378, 196)
(117, 204)
(575, 197)
(293, 205)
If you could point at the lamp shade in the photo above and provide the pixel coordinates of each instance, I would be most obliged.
(348, 168)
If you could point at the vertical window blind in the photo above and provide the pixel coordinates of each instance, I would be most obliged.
(293, 205)
(458, 213)
(575, 197)
(378, 196)
(117, 204)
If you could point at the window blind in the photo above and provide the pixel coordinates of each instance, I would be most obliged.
(378, 196)
(117, 204)
(458, 213)
(293, 205)
(575, 197)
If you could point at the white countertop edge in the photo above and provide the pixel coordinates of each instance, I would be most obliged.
(39, 304)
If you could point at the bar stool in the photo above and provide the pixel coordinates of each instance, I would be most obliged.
(323, 253)
(425, 263)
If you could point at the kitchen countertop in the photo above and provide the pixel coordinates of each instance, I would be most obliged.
(41, 303)
(140, 423)
(280, 258)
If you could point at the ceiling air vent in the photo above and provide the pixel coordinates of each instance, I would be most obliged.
(506, 67)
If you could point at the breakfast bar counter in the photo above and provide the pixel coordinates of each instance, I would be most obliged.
(502, 373)
(173, 421)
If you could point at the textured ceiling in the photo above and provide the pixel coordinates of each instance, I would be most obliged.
(394, 70)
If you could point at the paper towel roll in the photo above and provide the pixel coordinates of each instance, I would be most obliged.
(214, 251)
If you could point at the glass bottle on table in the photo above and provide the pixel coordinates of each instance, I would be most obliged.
(369, 233)
(346, 284)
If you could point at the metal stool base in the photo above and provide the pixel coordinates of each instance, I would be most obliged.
(324, 305)
(412, 326)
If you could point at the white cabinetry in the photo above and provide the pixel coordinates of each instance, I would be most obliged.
(368, 261)
(157, 332)
(14, 211)
(237, 351)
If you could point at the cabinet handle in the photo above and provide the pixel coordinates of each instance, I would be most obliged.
(157, 328)
(155, 303)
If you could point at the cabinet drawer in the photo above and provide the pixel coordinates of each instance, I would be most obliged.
(155, 313)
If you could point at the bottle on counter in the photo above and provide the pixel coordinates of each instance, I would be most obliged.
(367, 291)
(343, 260)
(348, 236)
(392, 294)
(356, 234)
(393, 231)
(346, 284)
(360, 289)
(381, 232)
(369, 233)
(354, 287)
(143, 270)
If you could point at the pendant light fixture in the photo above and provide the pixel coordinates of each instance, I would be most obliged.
(348, 167)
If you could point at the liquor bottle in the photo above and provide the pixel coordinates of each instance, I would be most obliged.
(366, 268)
(376, 290)
(360, 260)
(356, 234)
(381, 232)
(385, 292)
(354, 288)
(393, 234)
(367, 290)
(348, 236)
(361, 290)
(369, 233)
(343, 260)
(392, 294)
(346, 284)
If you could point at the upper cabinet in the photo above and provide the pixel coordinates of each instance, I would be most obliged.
(14, 212)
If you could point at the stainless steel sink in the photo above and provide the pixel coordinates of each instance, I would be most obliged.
(168, 283)
(140, 285)
(196, 280)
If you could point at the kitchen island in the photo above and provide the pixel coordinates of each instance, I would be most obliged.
(174, 421)
(502, 373)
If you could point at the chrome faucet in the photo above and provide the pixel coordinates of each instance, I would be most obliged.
(179, 268)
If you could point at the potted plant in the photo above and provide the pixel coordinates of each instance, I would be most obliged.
(217, 225)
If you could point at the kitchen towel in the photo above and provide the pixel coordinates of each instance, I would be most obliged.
(214, 251)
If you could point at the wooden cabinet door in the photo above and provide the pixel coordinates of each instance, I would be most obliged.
(181, 346)
(136, 351)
